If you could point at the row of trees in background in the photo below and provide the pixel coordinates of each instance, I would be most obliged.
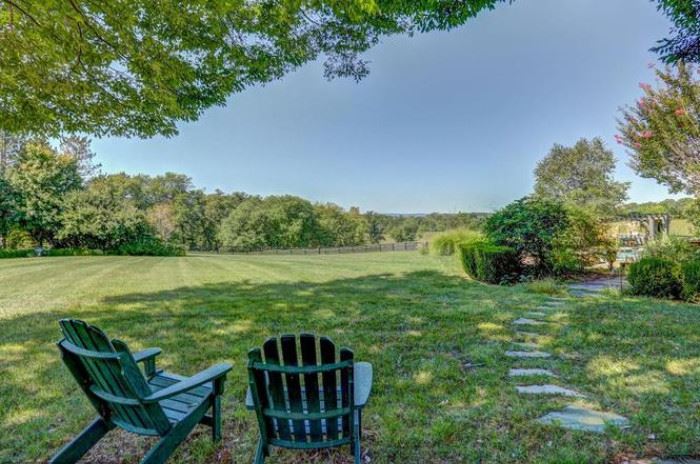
(55, 197)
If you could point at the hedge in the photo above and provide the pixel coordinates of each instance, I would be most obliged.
(690, 272)
(23, 253)
(490, 263)
(656, 277)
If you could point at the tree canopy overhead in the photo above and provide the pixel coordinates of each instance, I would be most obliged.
(137, 67)
(684, 43)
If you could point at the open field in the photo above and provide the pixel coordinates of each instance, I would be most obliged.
(436, 340)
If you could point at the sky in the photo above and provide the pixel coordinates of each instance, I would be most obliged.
(446, 121)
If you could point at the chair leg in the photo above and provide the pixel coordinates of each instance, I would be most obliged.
(356, 452)
(177, 434)
(81, 444)
(216, 416)
(260, 453)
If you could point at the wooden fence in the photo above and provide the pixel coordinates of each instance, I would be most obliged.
(373, 248)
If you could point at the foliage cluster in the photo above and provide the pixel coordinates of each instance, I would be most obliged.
(662, 130)
(670, 268)
(690, 275)
(486, 262)
(581, 175)
(446, 243)
(529, 226)
(655, 277)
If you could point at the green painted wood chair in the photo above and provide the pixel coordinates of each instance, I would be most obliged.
(151, 402)
(305, 395)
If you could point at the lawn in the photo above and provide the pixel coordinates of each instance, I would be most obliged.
(436, 340)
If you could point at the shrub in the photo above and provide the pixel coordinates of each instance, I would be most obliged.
(656, 277)
(445, 243)
(24, 253)
(690, 272)
(149, 247)
(18, 239)
(674, 249)
(490, 263)
(529, 226)
(585, 241)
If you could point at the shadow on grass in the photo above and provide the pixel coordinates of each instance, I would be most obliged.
(436, 342)
(408, 326)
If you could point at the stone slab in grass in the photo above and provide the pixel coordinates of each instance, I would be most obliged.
(530, 372)
(547, 390)
(578, 418)
(526, 321)
(527, 354)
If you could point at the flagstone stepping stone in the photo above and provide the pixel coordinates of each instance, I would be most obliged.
(529, 372)
(527, 354)
(526, 321)
(578, 418)
(547, 390)
(536, 314)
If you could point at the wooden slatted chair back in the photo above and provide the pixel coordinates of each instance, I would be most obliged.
(109, 375)
(303, 392)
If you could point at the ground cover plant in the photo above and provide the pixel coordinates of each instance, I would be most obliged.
(436, 339)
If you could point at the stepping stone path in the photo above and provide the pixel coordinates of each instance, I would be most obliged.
(576, 418)
(527, 354)
(547, 390)
(530, 372)
(571, 417)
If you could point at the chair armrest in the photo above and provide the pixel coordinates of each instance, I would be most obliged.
(362, 378)
(207, 375)
(147, 354)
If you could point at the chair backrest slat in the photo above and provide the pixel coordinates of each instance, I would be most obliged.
(293, 382)
(274, 387)
(111, 369)
(315, 412)
(346, 391)
(330, 386)
(307, 343)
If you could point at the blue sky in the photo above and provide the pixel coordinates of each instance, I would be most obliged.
(446, 121)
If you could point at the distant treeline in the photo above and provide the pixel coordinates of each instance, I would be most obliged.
(55, 197)
(683, 208)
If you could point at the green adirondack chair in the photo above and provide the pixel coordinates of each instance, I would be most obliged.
(151, 402)
(310, 401)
